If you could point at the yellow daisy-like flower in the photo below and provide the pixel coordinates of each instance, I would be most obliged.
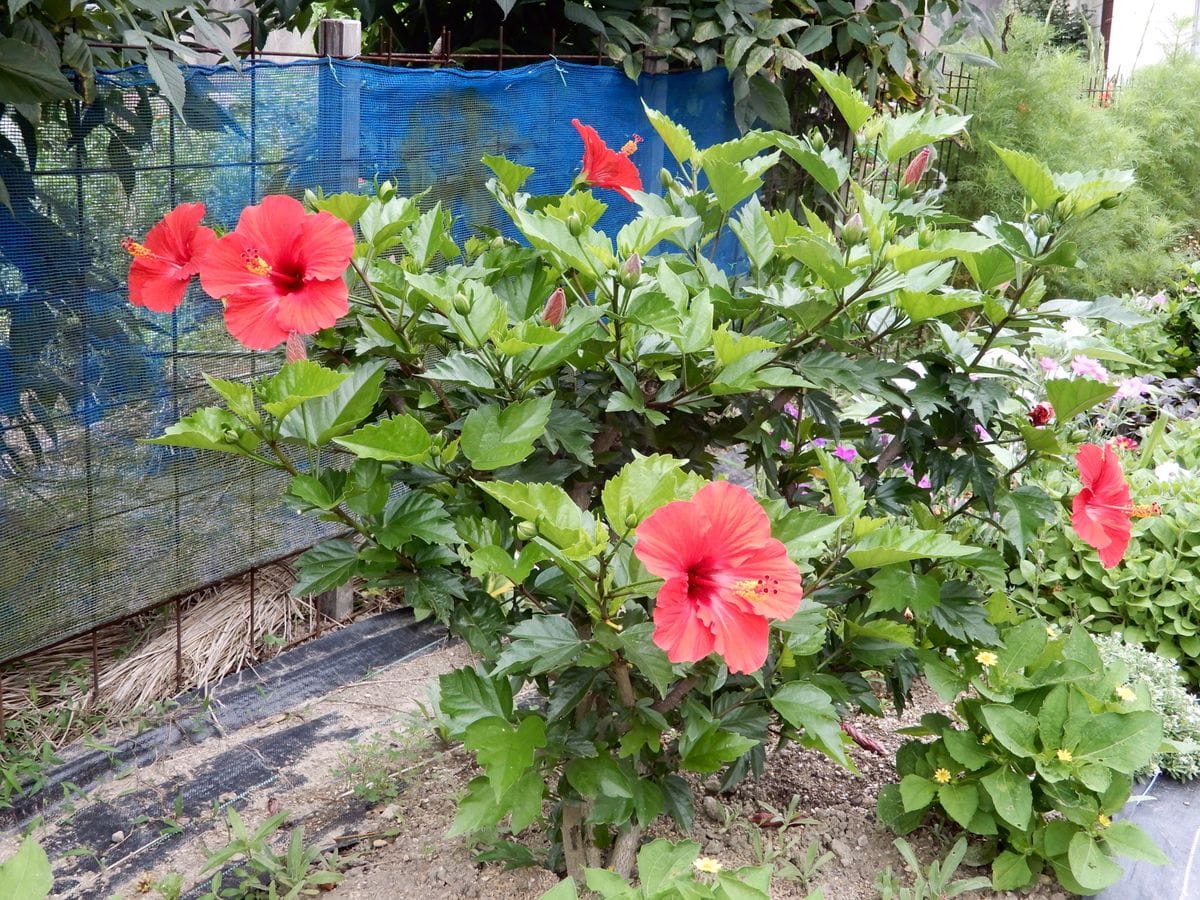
(1104, 820)
(986, 658)
(1126, 693)
(1053, 632)
(942, 776)
(1064, 755)
(707, 865)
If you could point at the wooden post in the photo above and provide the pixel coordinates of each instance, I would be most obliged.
(336, 604)
(339, 104)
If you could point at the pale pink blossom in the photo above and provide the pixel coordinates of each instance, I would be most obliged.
(845, 452)
(792, 410)
(786, 446)
(982, 433)
(925, 482)
(1159, 299)
(1086, 367)
(1132, 389)
(872, 420)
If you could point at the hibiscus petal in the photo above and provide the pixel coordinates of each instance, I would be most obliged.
(783, 585)
(317, 305)
(223, 271)
(738, 526)
(253, 321)
(324, 247)
(174, 236)
(159, 288)
(673, 539)
(272, 228)
(1118, 544)
(741, 635)
(677, 628)
(1087, 522)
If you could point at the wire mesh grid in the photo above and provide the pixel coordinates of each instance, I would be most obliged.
(95, 524)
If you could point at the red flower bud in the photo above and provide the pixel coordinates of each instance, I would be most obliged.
(1041, 414)
(296, 350)
(916, 169)
(863, 740)
(555, 307)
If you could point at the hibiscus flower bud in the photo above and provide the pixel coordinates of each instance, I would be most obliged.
(1041, 414)
(556, 306)
(462, 304)
(631, 271)
(575, 224)
(526, 531)
(817, 140)
(666, 179)
(498, 243)
(853, 231)
(916, 169)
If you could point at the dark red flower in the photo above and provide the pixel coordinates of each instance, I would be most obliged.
(607, 168)
(164, 264)
(280, 272)
(725, 577)
(1041, 414)
(1100, 512)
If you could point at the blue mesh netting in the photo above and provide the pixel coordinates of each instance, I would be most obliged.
(95, 525)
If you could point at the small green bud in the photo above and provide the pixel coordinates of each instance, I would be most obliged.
(853, 231)
(666, 179)
(462, 304)
(575, 224)
(1041, 226)
(632, 521)
(924, 236)
(631, 271)
(817, 140)
(526, 531)
(498, 243)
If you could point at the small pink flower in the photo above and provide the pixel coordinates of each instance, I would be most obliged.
(872, 420)
(981, 433)
(925, 482)
(972, 376)
(792, 410)
(1124, 442)
(1049, 364)
(786, 446)
(845, 452)
(1132, 389)
(1159, 299)
(908, 470)
(1086, 367)
(819, 442)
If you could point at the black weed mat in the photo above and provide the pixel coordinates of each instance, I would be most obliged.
(147, 817)
(252, 695)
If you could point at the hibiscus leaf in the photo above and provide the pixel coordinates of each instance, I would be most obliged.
(545, 643)
(493, 438)
(319, 420)
(1023, 512)
(642, 486)
(505, 752)
(209, 428)
(848, 100)
(713, 749)
(415, 514)
(894, 543)
(295, 383)
(509, 175)
(325, 566)
(465, 696)
(398, 438)
(1071, 396)
(810, 710)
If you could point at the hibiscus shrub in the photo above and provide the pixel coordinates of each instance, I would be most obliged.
(1040, 759)
(523, 434)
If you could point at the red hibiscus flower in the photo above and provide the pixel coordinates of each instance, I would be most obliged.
(725, 577)
(280, 271)
(607, 168)
(1041, 414)
(1100, 512)
(170, 256)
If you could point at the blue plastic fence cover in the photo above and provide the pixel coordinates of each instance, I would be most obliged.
(95, 525)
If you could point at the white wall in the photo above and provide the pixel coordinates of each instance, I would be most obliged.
(1142, 28)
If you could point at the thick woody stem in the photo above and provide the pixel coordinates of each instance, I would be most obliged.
(624, 851)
